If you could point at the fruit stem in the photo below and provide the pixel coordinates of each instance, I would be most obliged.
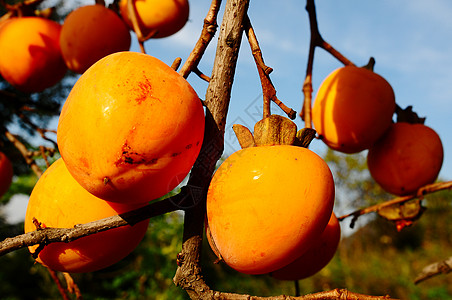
(407, 115)
(370, 65)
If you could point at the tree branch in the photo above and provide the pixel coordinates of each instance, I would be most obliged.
(316, 41)
(188, 274)
(268, 89)
(441, 267)
(49, 235)
(427, 189)
(25, 153)
(207, 33)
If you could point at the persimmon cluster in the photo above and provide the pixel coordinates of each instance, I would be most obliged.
(129, 132)
(47, 49)
(354, 110)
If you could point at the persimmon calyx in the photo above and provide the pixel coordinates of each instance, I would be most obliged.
(404, 214)
(273, 130)
(304, 137)
(244, 136)
(407, 115)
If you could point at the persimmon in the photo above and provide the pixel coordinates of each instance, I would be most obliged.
(407, 157)
(91, 32)
(58, 201)
(268, 204)
(6, 174)
(316, 257)
(157, 18)
(352, 109)
(131, 128)
(32, 62)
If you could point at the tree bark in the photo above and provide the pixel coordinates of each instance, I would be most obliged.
(189, 275)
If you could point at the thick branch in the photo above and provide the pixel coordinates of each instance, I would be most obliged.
(51, 235)
(339, 294)
(188, 275)
(441, 267)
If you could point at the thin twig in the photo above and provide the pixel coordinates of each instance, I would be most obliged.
(25, 153)
(207, 34)
(268, 89)
(57, 281)
(316, 41)
(42, 131)
(427, 189)
(133, 16)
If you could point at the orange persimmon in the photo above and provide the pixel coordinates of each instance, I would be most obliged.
(316, 258)
(91, 32)
(30, 54)
(158, 18)
(58, 201)
(131, 128)
(352, 109)
(6, 173)
(268, 204)
(407, 157)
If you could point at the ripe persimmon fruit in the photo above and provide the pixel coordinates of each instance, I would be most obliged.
(58, 201)
(30, 54)
(6, 174)
(352, 109)
(91, 32)
(268, 204)
(157, 18)
(131, 128)
(407, 157)
(316, 257)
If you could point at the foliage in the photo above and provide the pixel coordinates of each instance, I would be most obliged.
(354, 186)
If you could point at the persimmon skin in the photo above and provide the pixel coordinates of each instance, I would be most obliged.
(90, 33)
(6, 174)
(267, 204)
(131, 128)
(32, 62)
(316, 257)
(352, 109)
(58, 201)
(166, 17)
(406, 158)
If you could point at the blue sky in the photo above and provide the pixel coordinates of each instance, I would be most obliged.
(410, 40)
